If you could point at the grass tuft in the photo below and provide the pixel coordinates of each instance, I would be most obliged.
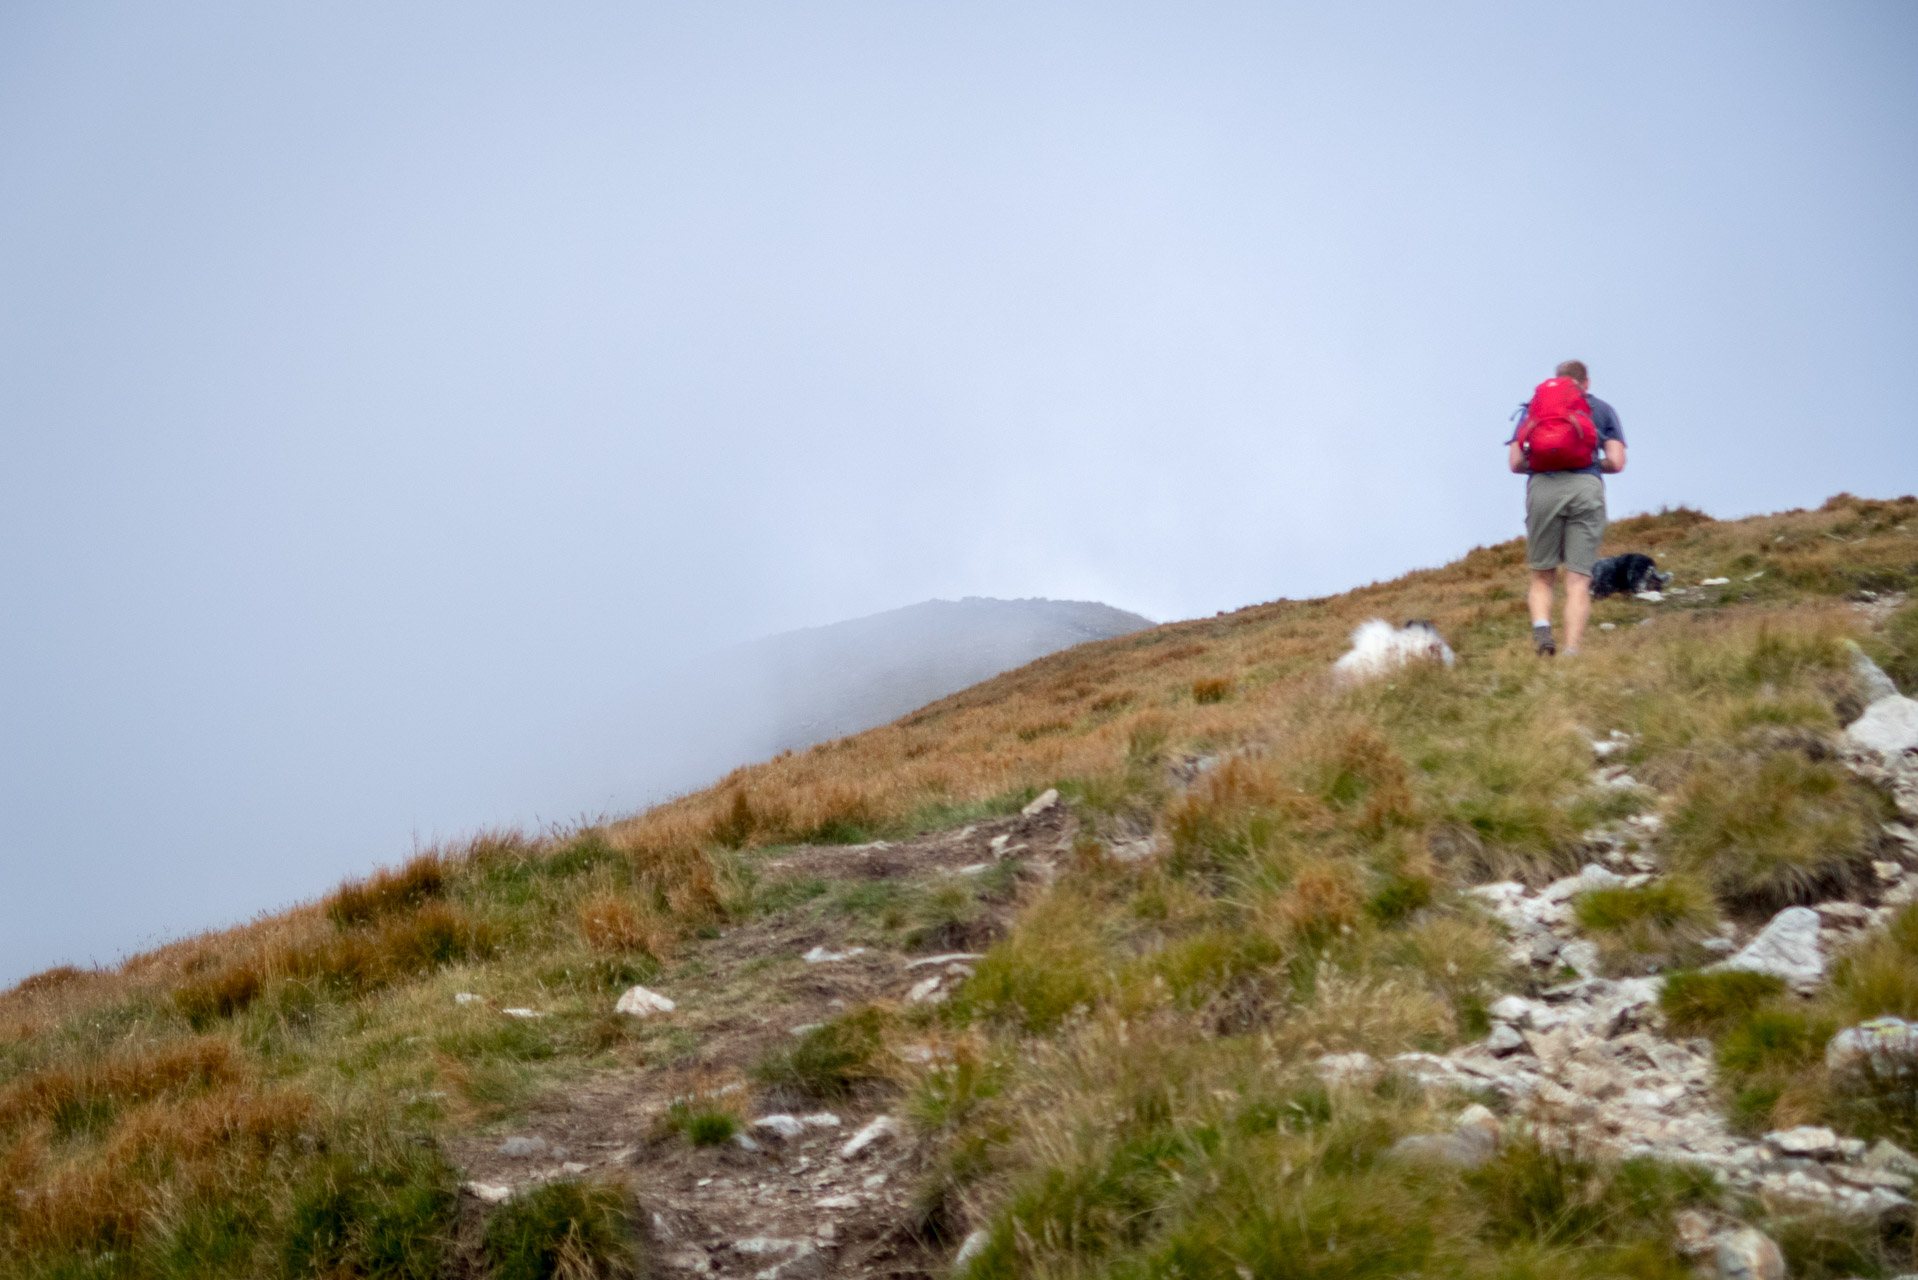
(566, 1230)
(831, 1060)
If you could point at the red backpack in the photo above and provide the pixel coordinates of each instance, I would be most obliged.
(1557, 434)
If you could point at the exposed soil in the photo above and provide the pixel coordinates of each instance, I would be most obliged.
(778, 1208)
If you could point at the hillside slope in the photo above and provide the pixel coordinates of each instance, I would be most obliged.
(1286, 982)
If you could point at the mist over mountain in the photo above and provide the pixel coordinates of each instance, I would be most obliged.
(791, 690)
(826, 682)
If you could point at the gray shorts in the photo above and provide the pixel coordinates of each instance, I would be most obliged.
(1564, 520)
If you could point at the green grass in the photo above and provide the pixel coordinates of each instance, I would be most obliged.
(831, 1060)
(563, 1230)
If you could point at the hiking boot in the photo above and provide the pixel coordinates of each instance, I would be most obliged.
(1542, 640)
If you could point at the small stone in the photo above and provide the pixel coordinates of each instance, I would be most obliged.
(1045, 801)
(1514, 1009)
(522, 1013)
(520, 1148)
(1652, 596)
(1581, 956)
(826, 1231)
(693, 1259)
(781, 1125)
(639, 1002)
(846, 1201)
(820, 1120)
(487, 1192)
(819, 955)
(1715, 582)
(873, 1181)
(1888, 872)
(1337, 1068)
(1886, 1154)
(467, 997)
(744, 1142)
(1544, 949)
(1843, 915)
(971, 1247)
(1503, 1039)
(1805, 1140)
(922, 989)
(1748, 1254)
(1608, 626)
(1866, 1176)
(1692, 1232)
(879, 1130)
(950, 957)
(762, 1246)
(571, 1167)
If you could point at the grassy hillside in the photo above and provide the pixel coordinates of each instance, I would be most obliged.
(1255, 866)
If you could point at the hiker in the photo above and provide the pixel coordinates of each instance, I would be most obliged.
(1566, 440)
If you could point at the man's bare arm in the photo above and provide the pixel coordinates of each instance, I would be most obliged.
(1614, 459)
(1515, 457)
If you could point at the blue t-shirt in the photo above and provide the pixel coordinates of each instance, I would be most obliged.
(1604, 418)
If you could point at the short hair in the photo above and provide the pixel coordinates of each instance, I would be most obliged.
(1575, 370)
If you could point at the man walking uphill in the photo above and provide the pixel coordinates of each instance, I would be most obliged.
(1566, 440)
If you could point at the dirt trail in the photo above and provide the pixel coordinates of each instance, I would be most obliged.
(777, 1207)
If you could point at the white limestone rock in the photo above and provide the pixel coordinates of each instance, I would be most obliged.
(971, 1247)
(487, 1192)
(1045, 801)
(1786, 948)
(1338, 1068)
(1887, 1043)
(1748, 1254)
(1888, 728)
(640, 1002)
(880, 1129)
(1814, 1141)
(819, 955)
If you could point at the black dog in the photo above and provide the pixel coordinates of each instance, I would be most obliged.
(1626, 575)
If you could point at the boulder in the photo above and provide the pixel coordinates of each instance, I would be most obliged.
(1786, 948)
(1889, 727)
(1748, 1254)
(1887, 1043)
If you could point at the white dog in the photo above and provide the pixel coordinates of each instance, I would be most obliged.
(1378, 647)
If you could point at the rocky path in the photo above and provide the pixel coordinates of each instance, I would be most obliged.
(807, 1187)
(1590, 1060)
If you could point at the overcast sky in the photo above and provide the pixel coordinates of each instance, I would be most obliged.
(388, 392)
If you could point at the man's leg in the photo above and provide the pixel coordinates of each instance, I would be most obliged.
(1578, 608)
(1539, 596)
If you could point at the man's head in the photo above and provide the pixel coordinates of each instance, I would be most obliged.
(1575, 370)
